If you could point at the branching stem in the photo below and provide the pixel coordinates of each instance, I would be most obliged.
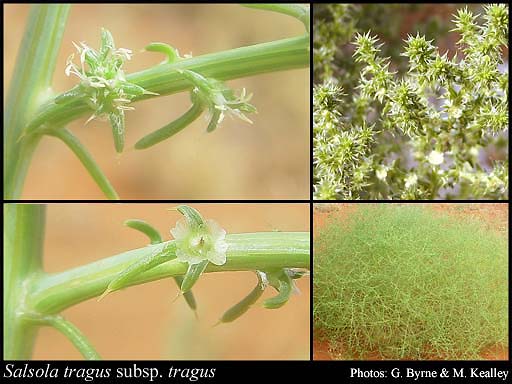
(50, 294)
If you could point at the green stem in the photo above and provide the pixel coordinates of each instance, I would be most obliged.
(87, 160)
(68, 329)
(50, 294)
(164, 79)
(23, 251)
(299, 11)
(76, 336)
(30, 87)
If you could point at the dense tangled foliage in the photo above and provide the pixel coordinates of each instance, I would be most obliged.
(405, 282)
(438, 129)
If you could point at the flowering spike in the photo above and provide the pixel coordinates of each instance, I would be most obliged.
(218, 98)
(103, 84)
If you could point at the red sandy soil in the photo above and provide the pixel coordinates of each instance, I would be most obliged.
(321, 350)
(494, 215)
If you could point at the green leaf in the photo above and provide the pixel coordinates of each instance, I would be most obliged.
(75, 336)
(193, 274)
(158, 256)
(246, 303)
(300, 12)
(117, 122)
(283, 283)
(170, 129)
(166, 49)
(156, 238)
(86, 159)
(144, 227)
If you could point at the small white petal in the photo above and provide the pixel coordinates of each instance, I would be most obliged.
(215, 230)
(181, 230)
(240, 115)
(125, 108)
(124, 52)
(186, 258)
(221, 246)
(411, 180)
(217, 258)
(90, 118)
(435, 158)
(77, 47)
(381, 173)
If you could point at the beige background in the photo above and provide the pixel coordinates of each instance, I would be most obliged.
(142, 322)
(267, 160)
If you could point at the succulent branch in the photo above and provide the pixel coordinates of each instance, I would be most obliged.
(105, 92)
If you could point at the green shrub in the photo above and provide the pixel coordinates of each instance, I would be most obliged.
(403, 282)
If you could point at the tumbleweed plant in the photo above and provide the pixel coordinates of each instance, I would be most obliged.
(438, 129)
(105, 91)
(34, 298)
(405, 282)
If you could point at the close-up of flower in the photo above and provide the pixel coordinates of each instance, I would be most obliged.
(195, 243)
(219, 99)
(103, 83)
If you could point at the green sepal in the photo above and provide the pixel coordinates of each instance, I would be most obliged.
(107, 43)
(193, 217)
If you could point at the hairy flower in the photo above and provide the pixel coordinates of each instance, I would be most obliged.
(103, 84)
(219, 99)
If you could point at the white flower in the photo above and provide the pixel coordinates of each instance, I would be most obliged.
(381, 173)
(195, 244)
(219, 99)
(473, 151)
(411, 180)
(435, 158)
(124, 53)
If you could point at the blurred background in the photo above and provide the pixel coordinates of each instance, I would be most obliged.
(237, 161)
(142, 322)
